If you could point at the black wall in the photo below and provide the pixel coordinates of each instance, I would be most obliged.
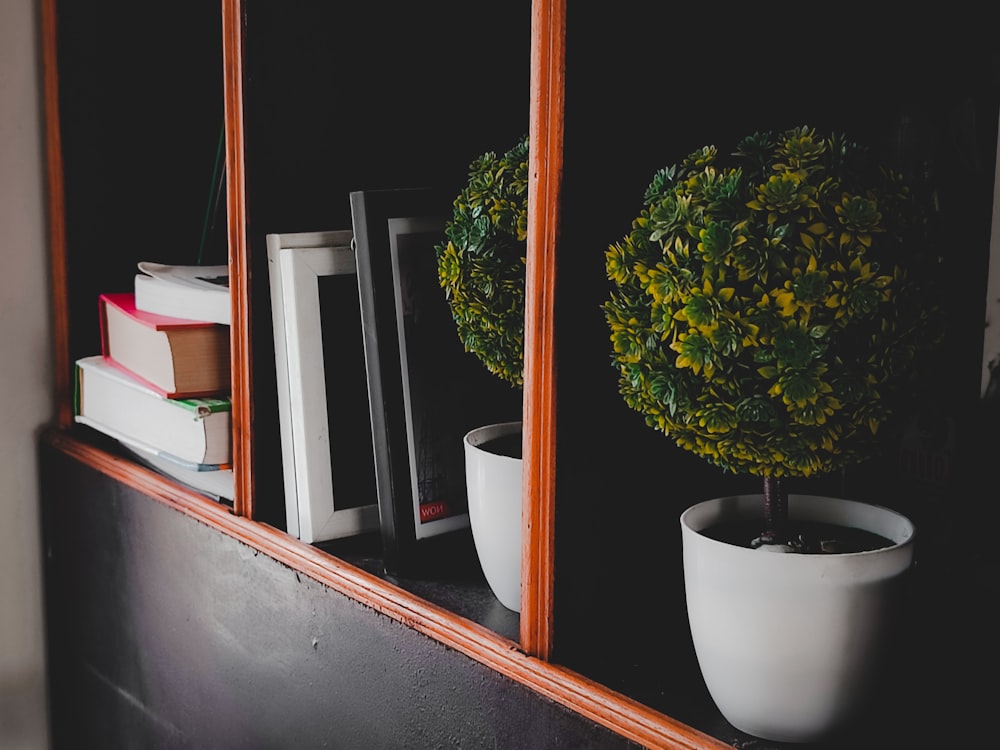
(164, 633)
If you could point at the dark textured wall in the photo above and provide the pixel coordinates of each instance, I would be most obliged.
(166, 634)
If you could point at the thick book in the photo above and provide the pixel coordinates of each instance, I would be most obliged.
(190, 292)
(177, 358)
(191, 431)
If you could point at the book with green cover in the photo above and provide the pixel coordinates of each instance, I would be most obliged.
(193, 430)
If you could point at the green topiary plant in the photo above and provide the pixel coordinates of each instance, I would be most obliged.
(482, 265)
(768, 312)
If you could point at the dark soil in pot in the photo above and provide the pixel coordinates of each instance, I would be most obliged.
(504, 445)
(809, 537)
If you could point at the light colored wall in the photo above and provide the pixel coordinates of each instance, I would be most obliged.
(25, 375)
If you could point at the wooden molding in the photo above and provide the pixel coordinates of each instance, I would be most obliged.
(56, 216)
(239, 257)
(548, 37)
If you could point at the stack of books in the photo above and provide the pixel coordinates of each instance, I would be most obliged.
(161, 387)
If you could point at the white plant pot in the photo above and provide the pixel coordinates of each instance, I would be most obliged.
(493, 483)
(791, 645)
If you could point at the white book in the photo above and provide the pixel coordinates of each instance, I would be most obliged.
(219, 484)
(192, 292)
(194, 430)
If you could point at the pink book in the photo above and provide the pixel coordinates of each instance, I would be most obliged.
(176, 357)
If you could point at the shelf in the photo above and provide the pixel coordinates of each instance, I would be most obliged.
(314, 112)
(451, 579)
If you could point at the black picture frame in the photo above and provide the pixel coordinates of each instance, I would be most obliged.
(426, 392)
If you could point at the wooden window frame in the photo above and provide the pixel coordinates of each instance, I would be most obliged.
(526, 662)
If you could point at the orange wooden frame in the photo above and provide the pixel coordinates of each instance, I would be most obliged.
(239, 260)
(56, 216)
(527, 662)
(548, 37)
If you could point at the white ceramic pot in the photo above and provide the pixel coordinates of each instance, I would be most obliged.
(792, 645)
(493, 482)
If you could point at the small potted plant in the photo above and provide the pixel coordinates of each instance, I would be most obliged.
(481, 267)
(769, 312)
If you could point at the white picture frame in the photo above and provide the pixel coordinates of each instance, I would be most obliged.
(298, 264)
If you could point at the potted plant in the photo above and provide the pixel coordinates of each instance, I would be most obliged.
(769, 312)
(481, 267)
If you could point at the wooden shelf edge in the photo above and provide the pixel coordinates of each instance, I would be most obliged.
(239, 256)
(602, 705)
(56, 204)
(545, 176)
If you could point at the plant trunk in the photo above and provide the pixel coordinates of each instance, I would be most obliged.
(775, 512)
